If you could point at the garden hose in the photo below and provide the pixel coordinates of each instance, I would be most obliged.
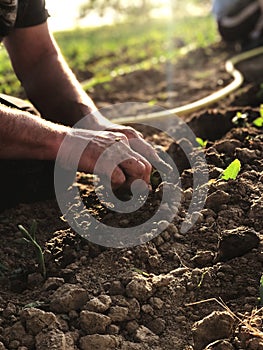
(203, 102)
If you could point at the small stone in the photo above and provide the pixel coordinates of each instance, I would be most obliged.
(99, 342)
(53, 283)
(157, 326)
(92, 322)
(14, 344)
(34, 280)
(54, 340)
(127, 345)
(100, 304)
(237, 242)
(154, 260)
(132, 327)
(227, 146)
(9, 310)
(68, 297)
(118, 313)
(203, 258)
(147, 309)
(36, 320)
(134, 308)
(144, 335)
(113, 329)
(116, 288)
(156, 303)
(217, 325)
(246, 155)
(139, 288)
(216, 199)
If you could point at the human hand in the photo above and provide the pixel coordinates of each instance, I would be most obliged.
(120, 155)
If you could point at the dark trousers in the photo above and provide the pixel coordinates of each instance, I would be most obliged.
(24, 181)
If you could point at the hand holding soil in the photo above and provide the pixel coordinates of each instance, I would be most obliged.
(120, 154)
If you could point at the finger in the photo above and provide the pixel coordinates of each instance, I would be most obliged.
(141, 146)
(111, 178)
(128, 131)
(118, 178)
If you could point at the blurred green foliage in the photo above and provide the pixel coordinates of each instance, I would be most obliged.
(99, 54)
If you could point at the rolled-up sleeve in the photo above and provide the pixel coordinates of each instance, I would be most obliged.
(31, 13)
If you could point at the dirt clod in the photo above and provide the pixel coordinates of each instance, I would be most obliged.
(217, 325)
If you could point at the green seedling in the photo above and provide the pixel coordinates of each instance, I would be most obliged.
(30, 237)
(258, 122)
(240, 118)
(140, 272)
(202, 143)
(231, 172)
(152, 102)
(261, 290)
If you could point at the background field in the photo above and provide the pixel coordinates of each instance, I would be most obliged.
(98, 55)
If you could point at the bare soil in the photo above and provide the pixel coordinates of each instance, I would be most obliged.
(192, 291)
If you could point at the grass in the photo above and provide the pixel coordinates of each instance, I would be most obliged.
(105, 52)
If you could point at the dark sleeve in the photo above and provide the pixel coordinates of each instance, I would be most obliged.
(31, 13)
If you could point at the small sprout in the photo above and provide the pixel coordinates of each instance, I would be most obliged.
(258, 122)
(231, 171)
(30, 237)
(261, 290)
(202, 143)
(140, 272)
(240, 118)
(152, 102)
(34, 304)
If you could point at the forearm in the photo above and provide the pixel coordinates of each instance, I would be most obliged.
(49, 83)
(24, 136)
(56, 93)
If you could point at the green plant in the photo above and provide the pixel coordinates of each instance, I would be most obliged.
(231, 171)
(30, 237)
(202, 143)
(258, 122)
(240, 118)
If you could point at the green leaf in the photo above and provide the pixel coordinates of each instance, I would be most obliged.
(201, 142)
(239, 118)
(258, 122)
(231, 171)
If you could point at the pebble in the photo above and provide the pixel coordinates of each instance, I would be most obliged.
(37, 320)
(118, 313)
(144, 335)
(68, 297)
(216, 199)
(53, 283)
(203, 258)
(237, 242)
(217, 325)
(156, 303)
(92, 322)
(139, 288)
(99, 342)
(54, 340)
(100, 304)
(157, 325)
